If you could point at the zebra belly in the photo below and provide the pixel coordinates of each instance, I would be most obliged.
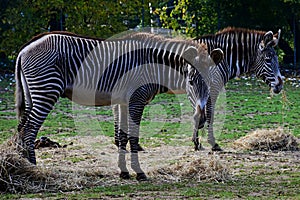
(88, 97)
(176, 92)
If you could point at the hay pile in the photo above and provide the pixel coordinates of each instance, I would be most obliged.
(268, 140)
(18, 175)
(199, 169)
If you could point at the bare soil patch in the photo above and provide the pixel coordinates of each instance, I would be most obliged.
(92, 161)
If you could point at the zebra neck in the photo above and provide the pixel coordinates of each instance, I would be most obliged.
(240, 49)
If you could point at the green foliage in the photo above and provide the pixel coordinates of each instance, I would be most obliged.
(190, 17)
(195, 17)
(21, 20)
(198, 17)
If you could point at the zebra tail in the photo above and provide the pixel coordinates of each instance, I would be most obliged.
(19, 93)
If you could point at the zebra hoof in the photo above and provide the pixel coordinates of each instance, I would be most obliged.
(141, 177)
(199, 147)
(140, 148)
(124, 175)
(216, 147)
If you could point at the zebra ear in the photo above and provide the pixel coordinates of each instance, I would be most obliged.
(190, 54)
(268, 37)
(217, 55)
(276, 38)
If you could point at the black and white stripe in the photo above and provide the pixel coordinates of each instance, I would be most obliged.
(244, 51)
(128, 72)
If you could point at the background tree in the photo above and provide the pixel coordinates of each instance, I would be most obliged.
(22, 19)
(197, 17)
(191, 17)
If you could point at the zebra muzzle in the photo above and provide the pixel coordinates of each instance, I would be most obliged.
(278, 87)
(199, 116)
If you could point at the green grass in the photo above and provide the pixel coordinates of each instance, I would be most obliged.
(245, 187)
(252, 108)
(247, 104)
(8, 120)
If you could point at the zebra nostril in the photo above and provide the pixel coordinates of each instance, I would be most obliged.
(277, 88)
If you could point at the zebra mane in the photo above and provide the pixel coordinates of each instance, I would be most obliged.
(153, 36)
(239, 30)
(202, 47)
(229, 30)
(146, 35)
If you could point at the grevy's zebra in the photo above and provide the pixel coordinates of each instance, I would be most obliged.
(195, 79)
(96, 72)
(244, 51)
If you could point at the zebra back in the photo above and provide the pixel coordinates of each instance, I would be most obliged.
(93, 63)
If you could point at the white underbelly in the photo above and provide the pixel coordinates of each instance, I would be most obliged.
(88, 97)
(176, 92)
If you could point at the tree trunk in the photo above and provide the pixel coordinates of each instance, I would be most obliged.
(296, 35)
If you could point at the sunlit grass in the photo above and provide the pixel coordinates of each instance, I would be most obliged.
(245, 106)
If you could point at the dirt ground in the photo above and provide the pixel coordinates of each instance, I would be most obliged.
(96, 157)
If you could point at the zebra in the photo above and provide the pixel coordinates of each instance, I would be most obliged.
(244, 51)
(195, 78)
(95, 72)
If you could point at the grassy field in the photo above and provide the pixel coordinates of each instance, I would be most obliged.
(245, 106)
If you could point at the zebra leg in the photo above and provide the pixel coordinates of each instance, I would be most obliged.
(210, 116)
(25, 139)
(32, 120)
(135, 110)
(122, 139)
(118, 119)
(116, 124)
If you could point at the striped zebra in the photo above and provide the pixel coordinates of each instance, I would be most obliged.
(195, 78)
(244, 51)
(93, 72)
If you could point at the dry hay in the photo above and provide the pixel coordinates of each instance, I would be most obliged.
(18, 175)
(195, 168)
(268, 140)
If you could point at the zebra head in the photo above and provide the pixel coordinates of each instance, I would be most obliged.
(198, 84)
(266, 64)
